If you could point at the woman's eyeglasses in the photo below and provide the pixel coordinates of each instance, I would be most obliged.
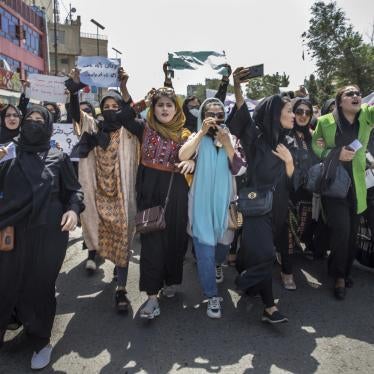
(352, 93)
(15, 115)
(301, 112)
(218, 115)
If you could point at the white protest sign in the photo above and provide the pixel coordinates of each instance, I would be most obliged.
(11, 152)
(98, 71)
(63, 134)
(47, 88)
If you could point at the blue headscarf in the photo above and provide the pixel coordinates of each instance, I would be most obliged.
(211, 188)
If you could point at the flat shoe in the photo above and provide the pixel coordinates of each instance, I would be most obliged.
(41, 359)
(340, 293)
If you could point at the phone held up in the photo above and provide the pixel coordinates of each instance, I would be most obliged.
(253, 72)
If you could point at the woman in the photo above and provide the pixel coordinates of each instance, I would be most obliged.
(41, 200)
(300, 227)
(10, 119)
(107, 171)
(270, 166)
(218, 160)
(348, 122)
(162, 252)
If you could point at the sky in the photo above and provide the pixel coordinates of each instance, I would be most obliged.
(250, 32)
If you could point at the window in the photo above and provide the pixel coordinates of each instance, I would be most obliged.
(30, 69)
(61, 37)
(32, 41)
(9, 26)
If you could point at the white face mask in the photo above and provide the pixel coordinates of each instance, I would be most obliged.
(194, 112)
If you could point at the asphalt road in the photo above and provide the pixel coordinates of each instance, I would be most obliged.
(323, 335)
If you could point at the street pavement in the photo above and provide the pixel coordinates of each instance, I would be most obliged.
(323, 335)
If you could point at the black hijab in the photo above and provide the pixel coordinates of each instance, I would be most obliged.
(7, 135)
(266, 117)
(93, 112)
(326, 106)
(57, 111)
(27, 184)
(305, 130)
(191, 120)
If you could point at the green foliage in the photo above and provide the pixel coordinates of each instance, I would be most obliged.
(340, 54)
(267, 85)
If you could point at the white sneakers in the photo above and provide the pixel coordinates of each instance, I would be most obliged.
(214, 307)
(41, 359)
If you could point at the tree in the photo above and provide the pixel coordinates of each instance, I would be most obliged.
(340, 53)
(312, 88)
(267, 85)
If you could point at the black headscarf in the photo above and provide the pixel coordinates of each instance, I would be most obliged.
(28, 184)
(326, 106)
(7, 135)
(191, 120)
(93, 112)
(267, 119)
(113, 120)
(57, 111)
(303, 129)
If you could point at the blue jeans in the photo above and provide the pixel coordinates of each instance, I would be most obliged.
(207, 257)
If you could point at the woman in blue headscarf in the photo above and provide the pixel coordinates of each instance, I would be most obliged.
(218, 160)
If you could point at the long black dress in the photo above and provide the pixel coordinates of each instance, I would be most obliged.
(162, 252)
(256, 256)
(28, 273)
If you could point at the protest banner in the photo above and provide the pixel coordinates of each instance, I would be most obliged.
(63, 134)
(98, 71)
(9, 80)
(194, 60)
(46, 88)
(11, 152)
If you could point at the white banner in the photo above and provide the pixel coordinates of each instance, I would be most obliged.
(63, 134)
(47, 88)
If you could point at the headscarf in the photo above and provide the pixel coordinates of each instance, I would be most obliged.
(92, 108)
(267, 118)
(326, 106)
(211, 188)
(7, 135)
(27, 187)
(191, 120)
(57, 113)
(172, 130)
(305, 130)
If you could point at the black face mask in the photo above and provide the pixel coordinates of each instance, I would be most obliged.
(110, 116)
(35, 133)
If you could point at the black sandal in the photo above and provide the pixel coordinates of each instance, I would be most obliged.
(122, 302)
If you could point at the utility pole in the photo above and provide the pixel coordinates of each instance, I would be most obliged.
(55, 33)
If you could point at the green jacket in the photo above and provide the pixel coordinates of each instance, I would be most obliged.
(326, 129)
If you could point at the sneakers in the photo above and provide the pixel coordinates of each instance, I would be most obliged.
(90, 266)
(219, 274)
(151, 309)
(214, 307)
(169, 291)
(41, 359)
(121, 301)
(274, 318)
(288, 282)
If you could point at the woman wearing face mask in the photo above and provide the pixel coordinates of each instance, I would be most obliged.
(107, 171)
(270, 165)
(41, 200)
(218, 160)
(54, 110)
(162, 252)
(348, 122)
(10, 119)
(300, 227)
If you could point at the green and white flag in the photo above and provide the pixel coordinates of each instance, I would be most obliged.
(194, 60)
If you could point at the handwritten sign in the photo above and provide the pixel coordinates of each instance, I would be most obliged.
(63, 134)
(11, 152)
(47, 88)
(98, 71)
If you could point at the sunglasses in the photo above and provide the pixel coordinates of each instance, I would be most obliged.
(352, 93)
(219, 115)
(301, 112)
(87, 110)
(15, 115)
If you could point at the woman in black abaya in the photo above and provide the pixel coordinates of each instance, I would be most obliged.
(41, 200)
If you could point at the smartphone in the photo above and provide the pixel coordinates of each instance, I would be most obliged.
(354, 146)
(253, 72)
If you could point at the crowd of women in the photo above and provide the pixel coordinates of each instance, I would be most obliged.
(175, 176)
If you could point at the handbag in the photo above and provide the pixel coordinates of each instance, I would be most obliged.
(7, 239)
(153, 219)
(338, 188)
(255, 202)
(235, 217)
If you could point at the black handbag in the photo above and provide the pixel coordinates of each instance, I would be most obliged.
(253, 202)
(338, 188)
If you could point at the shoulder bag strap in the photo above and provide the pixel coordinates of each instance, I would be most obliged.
(169, 189)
